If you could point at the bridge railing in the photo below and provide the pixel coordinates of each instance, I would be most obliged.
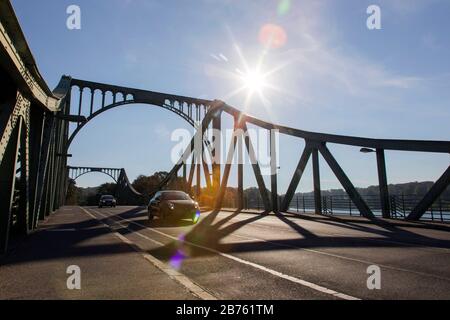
(342, 205)
(338, 205)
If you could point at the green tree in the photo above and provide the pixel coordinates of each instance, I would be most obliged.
(73, 193)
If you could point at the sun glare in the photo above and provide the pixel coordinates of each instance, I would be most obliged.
(253, 80)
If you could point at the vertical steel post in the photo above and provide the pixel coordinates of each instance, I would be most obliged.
(274, 171)
(8, 167)
(23, 182)
(382, 182)
(37, 129)
(216, 152)
(240, 195)
(103, 99)
(316, 178)
(80, 102)
(91, 109)
(198, 175)
(226, 172)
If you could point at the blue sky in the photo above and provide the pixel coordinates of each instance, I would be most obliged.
(333, 75)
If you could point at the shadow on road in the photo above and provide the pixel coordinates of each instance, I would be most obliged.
(210, 232)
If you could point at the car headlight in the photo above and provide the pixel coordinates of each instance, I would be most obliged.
(196, 205)
(171, 206)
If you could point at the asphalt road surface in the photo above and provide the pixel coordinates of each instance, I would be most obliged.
(227, 255)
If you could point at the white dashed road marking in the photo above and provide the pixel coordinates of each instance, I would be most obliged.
(252, 264)
(171, 272)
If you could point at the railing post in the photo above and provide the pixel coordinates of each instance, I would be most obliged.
(331, 204)
(393, 206)
(403, 204)
(350, 206)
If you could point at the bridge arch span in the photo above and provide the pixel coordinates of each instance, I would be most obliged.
(77, 172)
(125, 193)
(192, 110)
(125, 103)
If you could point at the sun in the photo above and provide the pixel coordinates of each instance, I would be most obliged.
(253, 81)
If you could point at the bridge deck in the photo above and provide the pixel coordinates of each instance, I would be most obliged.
(230, 256)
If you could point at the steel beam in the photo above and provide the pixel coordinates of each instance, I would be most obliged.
(346, 183)
(8, 167)
(80, 103)
(386, 144)
(216, 152)
(382, 183)
(191, 171)
(296, 178)
(206, 171)
(44, 167)
(198, 188)
(184, 173)
(91, 108)
(316, 180)
(226, 173)
(37, 130)
(24, 222)
(274, 171)
(240, 172)
(436, 190)
(256, 169)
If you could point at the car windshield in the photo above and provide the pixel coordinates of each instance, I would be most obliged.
(174, 196)
(107, 197)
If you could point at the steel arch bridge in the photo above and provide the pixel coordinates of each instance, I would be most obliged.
(35, 139)
(125, 193)
(75, 172)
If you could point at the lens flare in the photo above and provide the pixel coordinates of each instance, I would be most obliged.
(283, 7)
(272, 36)
(197, 216)
(255, 78)
(177, 260)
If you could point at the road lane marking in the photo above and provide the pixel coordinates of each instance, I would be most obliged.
(331, 254)
(271, 218)
(131, 230)
(335, 255)
(252, 264)
(346, 258)
(173, 274)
